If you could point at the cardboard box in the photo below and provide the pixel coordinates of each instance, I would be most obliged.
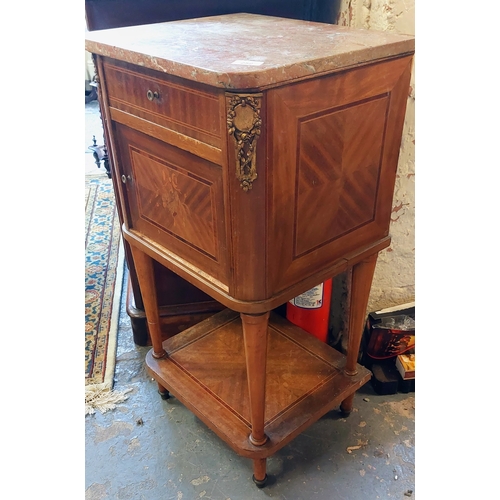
(405, 363)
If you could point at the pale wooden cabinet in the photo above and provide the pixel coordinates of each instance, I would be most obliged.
(256, 157)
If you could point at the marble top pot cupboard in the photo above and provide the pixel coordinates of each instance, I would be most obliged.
(180, 303)
(255, 157)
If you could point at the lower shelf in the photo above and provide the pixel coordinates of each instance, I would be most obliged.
(205, 369)
(173, 317)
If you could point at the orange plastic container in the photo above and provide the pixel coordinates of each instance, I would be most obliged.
(311, 310)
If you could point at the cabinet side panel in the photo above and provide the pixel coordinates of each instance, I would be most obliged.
(335, 143)
(337, 173)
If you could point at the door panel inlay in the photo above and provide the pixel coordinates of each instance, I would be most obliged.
(175, 200)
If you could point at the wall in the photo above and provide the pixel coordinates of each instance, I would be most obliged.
(394, 280)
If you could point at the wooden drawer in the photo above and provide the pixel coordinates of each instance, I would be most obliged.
(149, 100)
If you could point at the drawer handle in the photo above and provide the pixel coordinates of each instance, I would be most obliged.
(152, 95)
(124, 179)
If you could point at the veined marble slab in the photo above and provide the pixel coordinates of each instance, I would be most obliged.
(246, 51)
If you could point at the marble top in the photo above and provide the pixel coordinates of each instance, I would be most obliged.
(246, 51)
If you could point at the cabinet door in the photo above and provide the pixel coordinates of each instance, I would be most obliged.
(175, 199)
(335, 144)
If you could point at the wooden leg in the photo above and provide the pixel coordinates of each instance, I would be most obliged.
(259, 472)
(163, 392)
(361, 282)
(145, 275)
(255, 339)
(346, 405)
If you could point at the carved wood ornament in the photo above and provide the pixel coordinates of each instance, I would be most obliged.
(244, 124)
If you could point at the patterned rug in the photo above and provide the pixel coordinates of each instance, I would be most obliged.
(104, 263)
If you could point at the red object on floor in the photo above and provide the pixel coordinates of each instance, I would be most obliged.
(311, 310)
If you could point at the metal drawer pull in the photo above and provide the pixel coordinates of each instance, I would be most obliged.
(152, 95)
(124, 179)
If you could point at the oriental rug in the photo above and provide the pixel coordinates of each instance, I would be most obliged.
(104, 265)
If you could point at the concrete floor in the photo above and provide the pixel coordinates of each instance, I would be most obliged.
(152, 449)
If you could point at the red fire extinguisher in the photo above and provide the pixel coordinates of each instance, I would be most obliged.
(311, 310)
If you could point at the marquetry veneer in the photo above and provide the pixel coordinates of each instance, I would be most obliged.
(256, 157)
(207, 370)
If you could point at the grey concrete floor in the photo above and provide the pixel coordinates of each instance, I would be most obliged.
(152, 449)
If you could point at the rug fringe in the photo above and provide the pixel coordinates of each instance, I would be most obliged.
(101, 397)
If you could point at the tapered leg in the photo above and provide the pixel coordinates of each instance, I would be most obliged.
(361, 282)
(163, 392)
(145, 275)
(255, 339)
(259, 472)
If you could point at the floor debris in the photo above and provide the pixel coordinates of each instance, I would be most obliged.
(360, 444)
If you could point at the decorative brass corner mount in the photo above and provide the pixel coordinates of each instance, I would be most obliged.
(244, 124)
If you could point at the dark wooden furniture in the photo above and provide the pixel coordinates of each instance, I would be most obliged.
(105, 14)
(180, 304)
(100, 154)
(256, 157)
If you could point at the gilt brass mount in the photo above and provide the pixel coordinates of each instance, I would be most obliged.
(244, 124)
